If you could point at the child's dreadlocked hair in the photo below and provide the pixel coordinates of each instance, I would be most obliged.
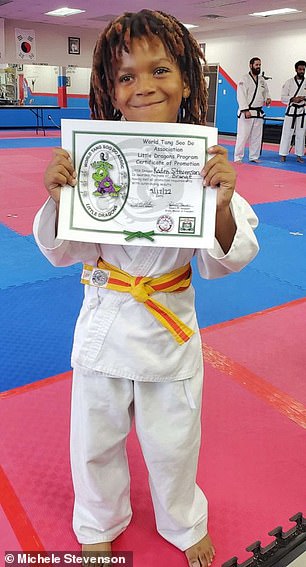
(176, 39)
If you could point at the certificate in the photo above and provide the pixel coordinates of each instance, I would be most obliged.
(138, 183)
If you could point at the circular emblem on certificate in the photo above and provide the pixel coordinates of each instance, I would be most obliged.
(164, 223)
(103, 180)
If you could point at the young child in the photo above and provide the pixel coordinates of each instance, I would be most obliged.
(146, 67)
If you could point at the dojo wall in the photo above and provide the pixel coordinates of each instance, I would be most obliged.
(278, 45)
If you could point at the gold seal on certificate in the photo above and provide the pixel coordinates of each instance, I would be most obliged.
(138, 183)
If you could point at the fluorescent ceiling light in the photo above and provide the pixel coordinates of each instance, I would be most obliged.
(189, 26)
(279, 12)
(64, 12)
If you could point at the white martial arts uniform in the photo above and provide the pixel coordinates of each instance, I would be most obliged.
(251, 95)
(295, 117)
(127, 364)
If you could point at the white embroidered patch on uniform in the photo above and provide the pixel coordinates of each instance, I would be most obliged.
(94, 276)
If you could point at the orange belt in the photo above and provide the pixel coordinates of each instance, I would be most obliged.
(141, 288)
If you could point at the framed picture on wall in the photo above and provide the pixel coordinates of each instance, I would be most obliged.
(74, 45)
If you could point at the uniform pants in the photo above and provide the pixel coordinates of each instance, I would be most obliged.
(248, 129)
(167, 420)
(287, 133)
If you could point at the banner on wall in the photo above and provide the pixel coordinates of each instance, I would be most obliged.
(2, 44)
(25, 45)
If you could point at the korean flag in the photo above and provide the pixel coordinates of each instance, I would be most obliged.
(25, 45)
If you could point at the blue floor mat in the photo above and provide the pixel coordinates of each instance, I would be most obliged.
(281, 255)
(240, 294)
(270, 158)
(290, 215)
(22, 262)
(6, 232)
(275, 276)
(37, 323)
(39, 142)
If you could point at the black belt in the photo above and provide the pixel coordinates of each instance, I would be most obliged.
(295, 115)
(259, 110)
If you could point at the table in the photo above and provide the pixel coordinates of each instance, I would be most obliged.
(37, 110)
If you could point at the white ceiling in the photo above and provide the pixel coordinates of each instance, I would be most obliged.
(232, 13)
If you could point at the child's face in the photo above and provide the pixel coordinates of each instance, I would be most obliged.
(148, 85)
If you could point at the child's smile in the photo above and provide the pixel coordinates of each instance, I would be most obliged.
(149, 85)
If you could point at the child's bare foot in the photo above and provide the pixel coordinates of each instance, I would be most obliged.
(95, 548)
(201, 554)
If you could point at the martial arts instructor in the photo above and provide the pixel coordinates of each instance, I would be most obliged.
(252, 95)
(294, 95)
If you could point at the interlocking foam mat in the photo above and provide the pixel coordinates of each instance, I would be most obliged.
(252, 456)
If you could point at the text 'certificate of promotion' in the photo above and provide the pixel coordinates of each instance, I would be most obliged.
(138, 183)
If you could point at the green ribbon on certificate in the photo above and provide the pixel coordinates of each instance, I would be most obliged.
(139, 234)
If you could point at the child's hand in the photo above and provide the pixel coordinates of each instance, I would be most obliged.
(219, 173)
(59, 172)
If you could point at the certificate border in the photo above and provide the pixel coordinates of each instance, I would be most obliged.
(120, 232)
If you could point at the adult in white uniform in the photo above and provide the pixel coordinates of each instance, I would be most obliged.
(294, 95)
(252, 95)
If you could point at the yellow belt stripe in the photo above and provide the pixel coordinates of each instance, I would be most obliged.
(141, 288)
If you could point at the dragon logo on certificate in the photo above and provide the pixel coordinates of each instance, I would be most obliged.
(138, 183)
(104, 181)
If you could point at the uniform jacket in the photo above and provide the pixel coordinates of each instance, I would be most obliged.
(252, 95)
(114, 333)
(294, 87)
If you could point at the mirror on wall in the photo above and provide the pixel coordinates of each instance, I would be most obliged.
(38, 83)
(8, 84)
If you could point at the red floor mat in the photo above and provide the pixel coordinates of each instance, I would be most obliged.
(267, 185)
(23, 191)
(270, 344)
(251, 461)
